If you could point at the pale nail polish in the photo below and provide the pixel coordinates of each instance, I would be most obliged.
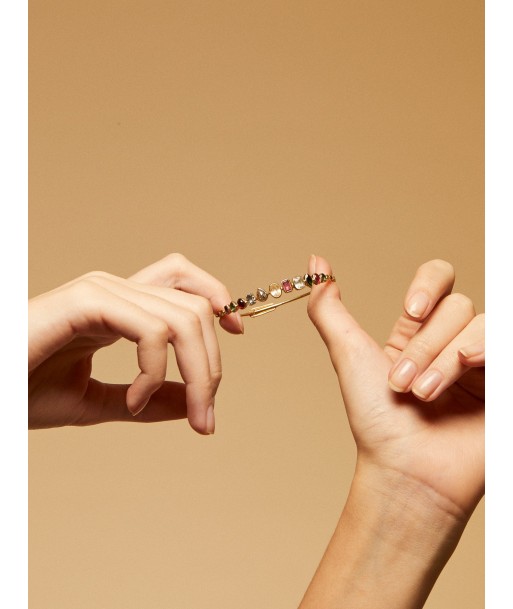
(417, 304)
(138, 409)
(311, 264)
(428, 384)
(472, 350)
(241, 325)
(210, 422)
(403, 375)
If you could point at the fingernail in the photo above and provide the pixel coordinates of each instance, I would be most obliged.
(211, 421)
(427, 384)
(403, 375)
(311, 264)
(417, 304)
(239, 320)
(138, 409)
(472, 350)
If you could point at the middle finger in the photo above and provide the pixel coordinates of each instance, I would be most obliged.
(449, 318)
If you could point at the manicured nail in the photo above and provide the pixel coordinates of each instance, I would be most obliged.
(417, 305)
(239, 321)
(472, 350)
(428, 384)
(211, 421)
(403, 375)
(311, 264)
(138, 409)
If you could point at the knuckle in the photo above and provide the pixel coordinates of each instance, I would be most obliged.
(202, 307)
(157, 377)
(176, 263)
(93, 275)
(191, 320)
(176, 260)
(159, 331)
(217, 376)
(85, 290)
(421, 347)
(186, 322)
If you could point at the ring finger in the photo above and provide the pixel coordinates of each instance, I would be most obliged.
(448, 319)
(449, 366)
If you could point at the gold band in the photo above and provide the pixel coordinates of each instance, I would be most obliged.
(286, 286)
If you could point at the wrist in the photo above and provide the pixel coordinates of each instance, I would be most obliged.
(393, 539)
(404, 513)
(401, 534)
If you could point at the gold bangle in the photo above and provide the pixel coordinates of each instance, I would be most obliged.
(286, 286)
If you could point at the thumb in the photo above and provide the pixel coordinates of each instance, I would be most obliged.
(348, 344)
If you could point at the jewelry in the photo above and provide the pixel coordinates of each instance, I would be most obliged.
(286, 286)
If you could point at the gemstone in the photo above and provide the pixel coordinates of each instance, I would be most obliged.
(261, 295)
(286, 285)
(298, 282)
(251, 299)
(316, 279)
(308, 280)
(227, 310)
(275, 290)
(242, 303)
(323, 277)
(233, 306)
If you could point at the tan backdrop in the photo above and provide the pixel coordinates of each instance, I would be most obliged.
(246, 135)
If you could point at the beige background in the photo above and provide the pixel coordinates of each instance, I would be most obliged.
(246, 135)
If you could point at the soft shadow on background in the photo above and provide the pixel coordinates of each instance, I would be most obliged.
(246, 136)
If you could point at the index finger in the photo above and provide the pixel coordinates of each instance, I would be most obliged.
(433, 281)
(176, 271)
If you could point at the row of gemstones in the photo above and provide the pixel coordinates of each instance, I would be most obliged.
(275, 290)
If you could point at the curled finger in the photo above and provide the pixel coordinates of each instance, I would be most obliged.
(449, 366)
(176, 271)
(445, 323)
(101, 311)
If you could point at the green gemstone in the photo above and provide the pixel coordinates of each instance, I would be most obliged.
(233, 306)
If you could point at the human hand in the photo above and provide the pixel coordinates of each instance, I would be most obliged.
(170, 301)
(416, 406)
(419, 431)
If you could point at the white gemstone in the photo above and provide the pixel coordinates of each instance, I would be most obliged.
(298, 282)
(275, 290)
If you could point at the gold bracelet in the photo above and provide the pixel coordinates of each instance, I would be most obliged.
(286, 286)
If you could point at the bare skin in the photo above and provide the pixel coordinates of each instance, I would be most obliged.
(169, 302)
(420, 455)
(416, 406)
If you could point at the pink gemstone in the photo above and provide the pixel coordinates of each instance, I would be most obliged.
(286, 285)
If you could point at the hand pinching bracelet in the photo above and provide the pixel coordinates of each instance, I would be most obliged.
(276, 290)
